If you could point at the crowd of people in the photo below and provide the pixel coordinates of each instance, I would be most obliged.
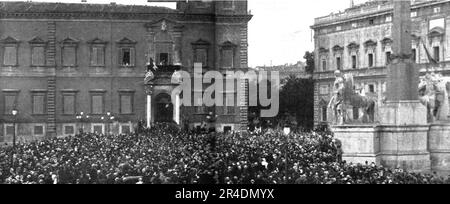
(165, 155)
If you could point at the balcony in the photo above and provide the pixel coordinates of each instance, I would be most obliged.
(167, 69)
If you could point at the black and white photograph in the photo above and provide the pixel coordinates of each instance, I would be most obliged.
(224, 93)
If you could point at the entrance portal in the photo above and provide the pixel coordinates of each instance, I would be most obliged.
(164, 109)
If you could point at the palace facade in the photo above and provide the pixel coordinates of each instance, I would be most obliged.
(66, 67)
(359, 40)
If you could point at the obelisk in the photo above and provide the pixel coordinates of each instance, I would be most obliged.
(402, 106)
(403, 77)
(403, 130)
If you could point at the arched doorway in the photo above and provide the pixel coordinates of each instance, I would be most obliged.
(164, 108)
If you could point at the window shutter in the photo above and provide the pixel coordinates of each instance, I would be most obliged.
(10, 130)
(121, 56)
(41, 55)
(69, 105)
(38, 104)
(10, 56)
(227, 58)
(169, 58)
(132, 57)
(126, 104)
(101, 56)
(230, 103)
(38, 56)
(69, 56)
(94, 56)
(97, 104)
(10, 100)
(34, 56)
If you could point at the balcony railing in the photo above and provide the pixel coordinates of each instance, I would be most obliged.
(168, 68)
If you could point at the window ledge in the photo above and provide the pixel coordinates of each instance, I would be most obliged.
(10, 66)
(127, 66)
(96, 115)
(67, 66)
(229, 114)
(38, 66)
(127, 114)
(39, 115)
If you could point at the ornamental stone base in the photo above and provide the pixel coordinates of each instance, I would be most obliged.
(392, 146)
(439, 146)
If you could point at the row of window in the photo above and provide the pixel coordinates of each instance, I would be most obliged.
(69, 48)
(228, 4)
(97, 103)
(371, 59)
(39, 130)
(372, 21)
(69, 101)
(127, 53)
(228, 109)
(368, 88)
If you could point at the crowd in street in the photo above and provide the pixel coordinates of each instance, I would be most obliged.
(164, 155)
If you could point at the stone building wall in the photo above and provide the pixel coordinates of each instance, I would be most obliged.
(83, 25)
(366, 29)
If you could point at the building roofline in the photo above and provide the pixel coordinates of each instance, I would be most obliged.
(56, 7)
(346, 17)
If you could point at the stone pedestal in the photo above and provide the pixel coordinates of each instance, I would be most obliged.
(439, 146)
(400, 141)
(403, 132)
(404, 146)
(359, 143)
(403, 113)
(404, 135)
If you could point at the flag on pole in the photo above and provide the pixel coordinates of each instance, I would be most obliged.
(430, 58)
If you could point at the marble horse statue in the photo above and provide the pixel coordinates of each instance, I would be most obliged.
(345, 97)
(433, 93)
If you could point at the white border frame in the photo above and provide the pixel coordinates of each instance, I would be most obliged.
(5, 126)
(44, 128)
(222, 127)
(98, 124)
(125, 124)
(69, 125)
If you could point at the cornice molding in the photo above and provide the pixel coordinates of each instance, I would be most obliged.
(178, 18)
(9, 40)
(97, 41)
(201, 42)
(126, 41)
(37, 41)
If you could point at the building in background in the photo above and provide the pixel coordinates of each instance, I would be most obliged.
(358, 41)
(59, 60)
(287, 70)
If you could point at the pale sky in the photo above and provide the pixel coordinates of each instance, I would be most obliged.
(279, 32)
